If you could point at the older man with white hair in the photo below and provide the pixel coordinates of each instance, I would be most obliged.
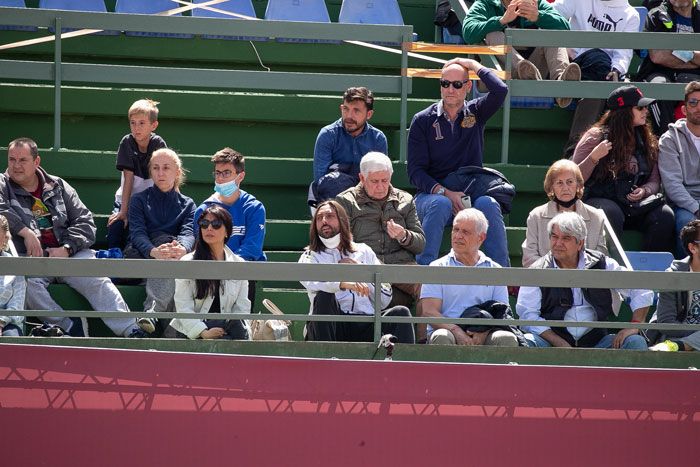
(567, 236)
(453, 300)
(384, 218)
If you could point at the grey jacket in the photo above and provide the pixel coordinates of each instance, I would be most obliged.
(679, 164)
(72, 221)
(672, 308)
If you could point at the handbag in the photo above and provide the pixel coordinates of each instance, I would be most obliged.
(271, 329)
(644, 206)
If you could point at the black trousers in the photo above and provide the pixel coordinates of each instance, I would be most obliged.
(657, 226)
(326, 304)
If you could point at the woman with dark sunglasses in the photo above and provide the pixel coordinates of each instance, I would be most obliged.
(618, 157)
(212, 297)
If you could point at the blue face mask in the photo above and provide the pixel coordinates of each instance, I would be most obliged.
(226, 189)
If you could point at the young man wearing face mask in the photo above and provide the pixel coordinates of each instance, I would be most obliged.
(247, 212)
(331, 242)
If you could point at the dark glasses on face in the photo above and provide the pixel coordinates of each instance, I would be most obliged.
(445, 83)
(205, 223)
(692, 102)
(640, 108)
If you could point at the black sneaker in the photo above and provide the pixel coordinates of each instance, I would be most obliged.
(137, 333)
(78, 328)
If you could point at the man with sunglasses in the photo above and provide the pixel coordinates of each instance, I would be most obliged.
(444, 137)
(679, 161)
(247, 213)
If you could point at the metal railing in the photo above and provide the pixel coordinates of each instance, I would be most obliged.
(375, 274)
(60, 72)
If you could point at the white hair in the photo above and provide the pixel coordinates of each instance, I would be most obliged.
(375, 162)
(570, 223)
(474, 215)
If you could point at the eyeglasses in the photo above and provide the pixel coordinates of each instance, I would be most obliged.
(222, 173)
(205, 223)
(445, 83)
(641, 108)
(692, 102)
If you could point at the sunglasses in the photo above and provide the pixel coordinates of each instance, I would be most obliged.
(222, 173)
(445, 83)
(692, 102)
(641, 108)
(205, 223)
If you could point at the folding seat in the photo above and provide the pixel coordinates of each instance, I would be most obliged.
(15, 4)
(148, 7)
(298, 10)
(76, 5)
(242, 7)
(372, 12)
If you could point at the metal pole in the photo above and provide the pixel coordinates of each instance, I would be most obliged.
(57, 87)
(403, 121)
(506, 105)
(377, 307)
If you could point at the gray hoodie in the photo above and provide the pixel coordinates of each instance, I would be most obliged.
(679, 165)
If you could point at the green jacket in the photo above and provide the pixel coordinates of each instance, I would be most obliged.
(483, 18)
(368, 219)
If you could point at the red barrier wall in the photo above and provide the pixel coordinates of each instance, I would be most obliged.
(98, 407)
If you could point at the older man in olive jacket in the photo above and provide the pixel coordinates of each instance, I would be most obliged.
(385, 218)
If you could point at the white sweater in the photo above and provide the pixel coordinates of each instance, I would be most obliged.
(233, 298)
(601, 15)
(348, 300)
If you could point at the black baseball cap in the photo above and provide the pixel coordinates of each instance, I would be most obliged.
(628, 96)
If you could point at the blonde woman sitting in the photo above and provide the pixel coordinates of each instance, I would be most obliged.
(564, 187)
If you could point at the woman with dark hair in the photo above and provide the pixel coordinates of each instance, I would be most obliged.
(213, 297)
(618, 157)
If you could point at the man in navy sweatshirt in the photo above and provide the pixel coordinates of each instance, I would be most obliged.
(444, 137)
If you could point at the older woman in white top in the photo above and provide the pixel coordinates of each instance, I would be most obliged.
(564, 187)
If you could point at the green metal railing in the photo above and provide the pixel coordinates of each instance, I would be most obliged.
(375, 274)
(60, 72)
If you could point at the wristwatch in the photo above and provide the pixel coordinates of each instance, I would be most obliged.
(440, 191)
(68, 248)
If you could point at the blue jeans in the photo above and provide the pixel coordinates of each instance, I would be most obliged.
(12, 330)
(633, 342)
(435, 212)
(683, 216)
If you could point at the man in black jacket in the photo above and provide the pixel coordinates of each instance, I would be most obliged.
(670, 66)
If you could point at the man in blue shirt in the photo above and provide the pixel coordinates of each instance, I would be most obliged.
(340, 145)
(444, 137)
(451, 300)
(248, 213)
